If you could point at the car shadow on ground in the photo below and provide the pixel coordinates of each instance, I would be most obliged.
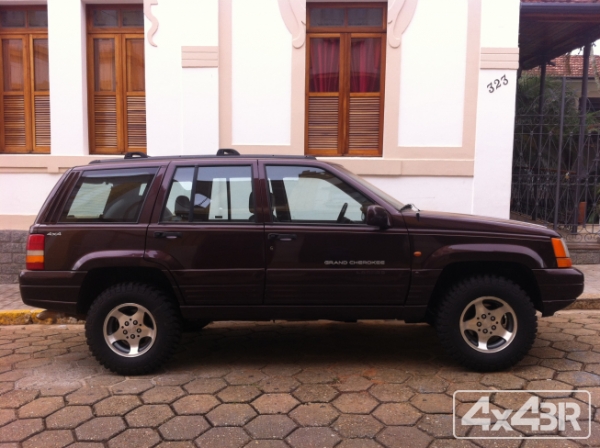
(323, 344)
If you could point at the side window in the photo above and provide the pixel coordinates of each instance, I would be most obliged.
(210, 194)
(303, 194)
(108, 196)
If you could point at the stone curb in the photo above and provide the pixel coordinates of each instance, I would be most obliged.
(26, 317)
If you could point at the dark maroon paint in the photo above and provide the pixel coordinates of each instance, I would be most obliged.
(242, 271)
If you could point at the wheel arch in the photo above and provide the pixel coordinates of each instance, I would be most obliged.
(99, 279)
(457, 272)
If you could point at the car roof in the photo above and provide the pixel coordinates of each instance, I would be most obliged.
(221, 153)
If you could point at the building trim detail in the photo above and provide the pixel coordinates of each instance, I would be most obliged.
(499, 58)
(148, 4)
(400, 14)
(293, 13)
(199, 57)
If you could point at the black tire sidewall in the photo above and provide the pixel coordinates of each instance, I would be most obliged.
(449, 315)
(162, 312)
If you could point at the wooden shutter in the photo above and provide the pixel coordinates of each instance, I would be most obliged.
(135, 91)
(40, 90)
(14, 121)
(323, 123)
(363, 131)
(105, 122)
(42, 120)
(14, 92)
(136, 122)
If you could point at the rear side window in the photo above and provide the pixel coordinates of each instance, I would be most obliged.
(108, 196)
(210, 194)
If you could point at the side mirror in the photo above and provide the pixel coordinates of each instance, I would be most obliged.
(378, 217)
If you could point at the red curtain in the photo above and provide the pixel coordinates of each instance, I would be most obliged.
(324, 65)
(365, 65)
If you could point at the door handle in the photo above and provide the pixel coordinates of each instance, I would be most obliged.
(169, 235)
(281, 236)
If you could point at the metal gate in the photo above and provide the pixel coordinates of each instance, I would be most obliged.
(556, 166)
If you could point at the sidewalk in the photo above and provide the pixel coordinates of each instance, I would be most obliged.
(10, 299)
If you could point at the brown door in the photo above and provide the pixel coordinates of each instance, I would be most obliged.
(319, 249)
(345, 80)
(208, 234)
(116, 79)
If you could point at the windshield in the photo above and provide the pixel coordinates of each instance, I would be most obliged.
(373, 189)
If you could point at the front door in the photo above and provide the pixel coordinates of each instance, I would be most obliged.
(208, 235)
(319, 249)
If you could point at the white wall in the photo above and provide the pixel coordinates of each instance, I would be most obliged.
(262, 74)
(445, 194)
(68, 79)
(495, 115)
(200, 86)
(432, 75)
(500, 23)
(163, 81)
(182, 104)
(24, 194)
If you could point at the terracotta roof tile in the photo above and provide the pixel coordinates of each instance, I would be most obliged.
(572, 68)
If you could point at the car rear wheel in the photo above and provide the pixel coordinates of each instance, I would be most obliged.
(486, 323)
(132, 328)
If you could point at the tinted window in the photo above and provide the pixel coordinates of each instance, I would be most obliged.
(303, 194)
(108, 196)
(210, 194)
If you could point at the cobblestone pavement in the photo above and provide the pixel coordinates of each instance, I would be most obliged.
(295, 384)
(10, 298)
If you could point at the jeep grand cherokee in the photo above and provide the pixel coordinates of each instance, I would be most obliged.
(143, 245)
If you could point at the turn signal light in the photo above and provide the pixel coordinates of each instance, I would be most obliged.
(561, 252)
(34, 260)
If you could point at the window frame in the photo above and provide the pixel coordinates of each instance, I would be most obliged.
(169, 183)
(79, 179)
(27, 34)
(337, 175)
(345, 35)
(120, 35)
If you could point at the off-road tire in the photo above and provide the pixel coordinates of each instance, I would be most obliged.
(457, 299)
(163, 311)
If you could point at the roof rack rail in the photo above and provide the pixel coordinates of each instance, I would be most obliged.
(136, 155)
(227, 152)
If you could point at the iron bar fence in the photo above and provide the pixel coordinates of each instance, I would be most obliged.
(546, 185)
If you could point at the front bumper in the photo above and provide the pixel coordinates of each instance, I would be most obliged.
(558, 288)
(51, 290)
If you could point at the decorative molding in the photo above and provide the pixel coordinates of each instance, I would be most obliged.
(148, 4)
(45, 163)
(499, 58)
(199, 57)
(400, 14)
(293, 13)
(393, 78)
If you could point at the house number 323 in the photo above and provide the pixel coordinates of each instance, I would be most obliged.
(497, 83)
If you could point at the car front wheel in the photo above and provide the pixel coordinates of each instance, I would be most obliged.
(132, 328)
(487, 323)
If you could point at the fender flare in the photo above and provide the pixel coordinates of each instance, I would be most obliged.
(507, 253)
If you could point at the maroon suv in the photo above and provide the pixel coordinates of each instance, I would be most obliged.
(143, 245)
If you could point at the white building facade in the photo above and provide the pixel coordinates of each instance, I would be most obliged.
(430, 120)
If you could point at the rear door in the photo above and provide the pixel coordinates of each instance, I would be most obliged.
(206, 233)
(319, 249)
